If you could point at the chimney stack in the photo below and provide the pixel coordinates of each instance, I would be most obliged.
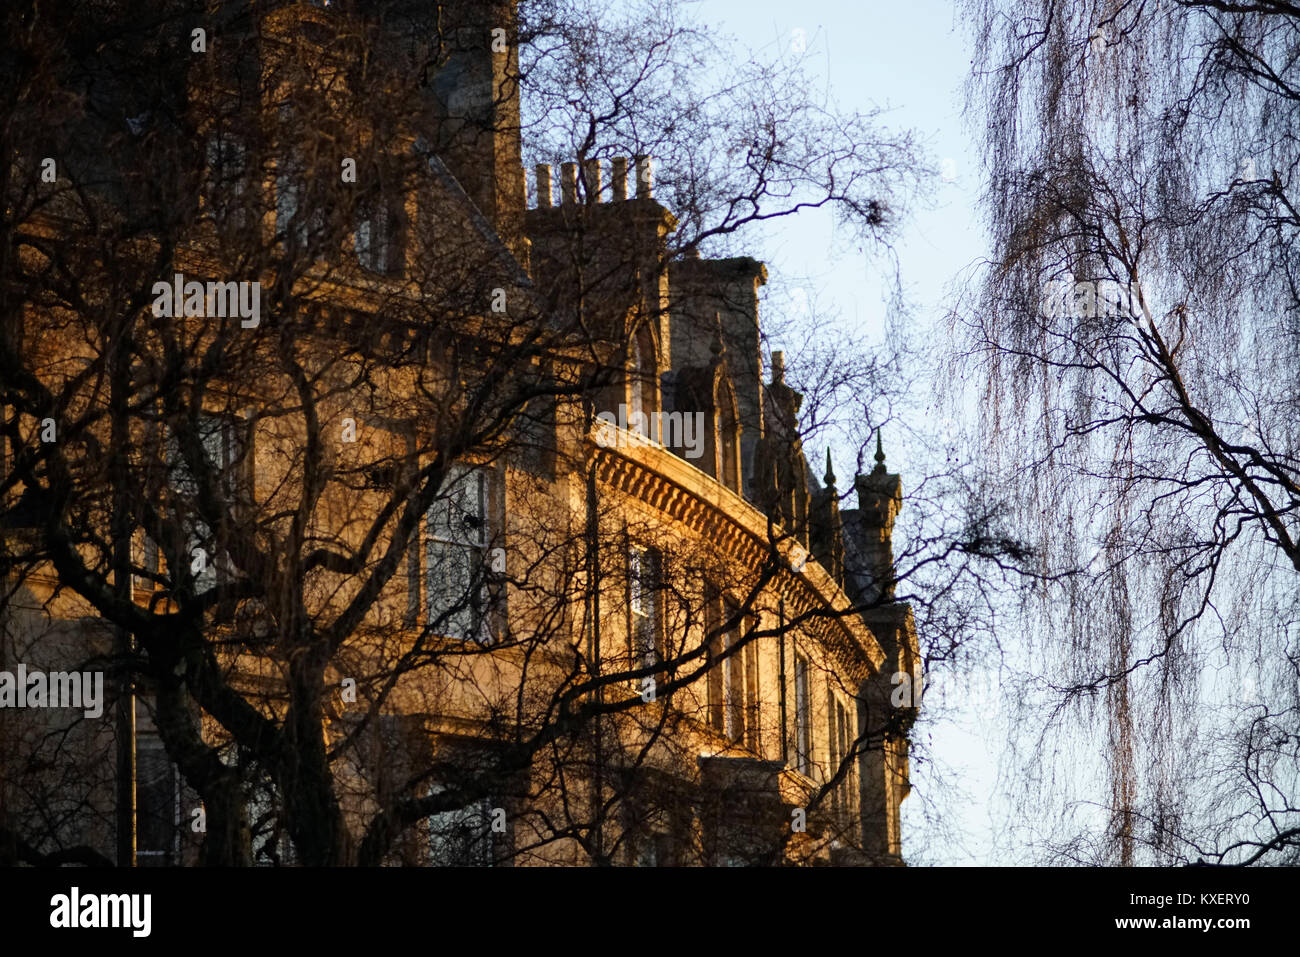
(569, 183)
(644, 178)
(545, 196)
(618, 178)
(591, 179)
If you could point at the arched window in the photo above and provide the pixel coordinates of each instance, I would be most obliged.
(726, 421)
(643, 376)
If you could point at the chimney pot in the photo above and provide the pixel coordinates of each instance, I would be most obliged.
(545, 194)
(644, 178)
(591, 179)
(569, 183)
(618, 178)
(778, 367)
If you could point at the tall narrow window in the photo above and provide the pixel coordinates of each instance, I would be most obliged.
(270, 841)
(227, 466)
(643, 375)
(802, 716)
(158, 800)
(834, 755)
(842, 727)
(733, 688)
(730, 704)
(839, 737)
(727, 438)
(227, 195)
(299, 213)
(378, 239)
(643, 606)
(752, 716)
(455, 551)
(290, 198)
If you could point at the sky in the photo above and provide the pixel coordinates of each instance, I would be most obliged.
(912, 60)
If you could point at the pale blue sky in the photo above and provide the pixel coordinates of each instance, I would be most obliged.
(912, 59)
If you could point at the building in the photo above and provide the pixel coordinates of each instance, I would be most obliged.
(422, 523)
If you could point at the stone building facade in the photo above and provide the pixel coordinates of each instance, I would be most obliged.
(646, 529)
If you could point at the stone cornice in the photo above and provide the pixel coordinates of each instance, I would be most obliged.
(651, 474)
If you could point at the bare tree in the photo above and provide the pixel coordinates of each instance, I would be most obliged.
(303, 409)
(1136, 331)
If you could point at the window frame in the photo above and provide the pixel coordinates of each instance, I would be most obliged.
(643, 384)
(228, 169)
(839, 736)
(384, 250)
(152, 744)
(236, 477)
(482, 604)
(803, 737)
(726, 435)
(644, 586)
(734, 706)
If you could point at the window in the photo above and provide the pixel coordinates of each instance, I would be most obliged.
(158, 804)
(224, 439)
(270, 841)
(378, 240)
(802, 716)
(290, 197)
(456, 595)
(641, 396)
(227, 463)
(299, 216)
(462, 837)
(839, 737)
(227, 194)
(733, 685)
(643, 605)
(846, 737)
(726, 440)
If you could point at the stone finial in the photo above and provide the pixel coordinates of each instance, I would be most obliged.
(880, 456)
(829, 477)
